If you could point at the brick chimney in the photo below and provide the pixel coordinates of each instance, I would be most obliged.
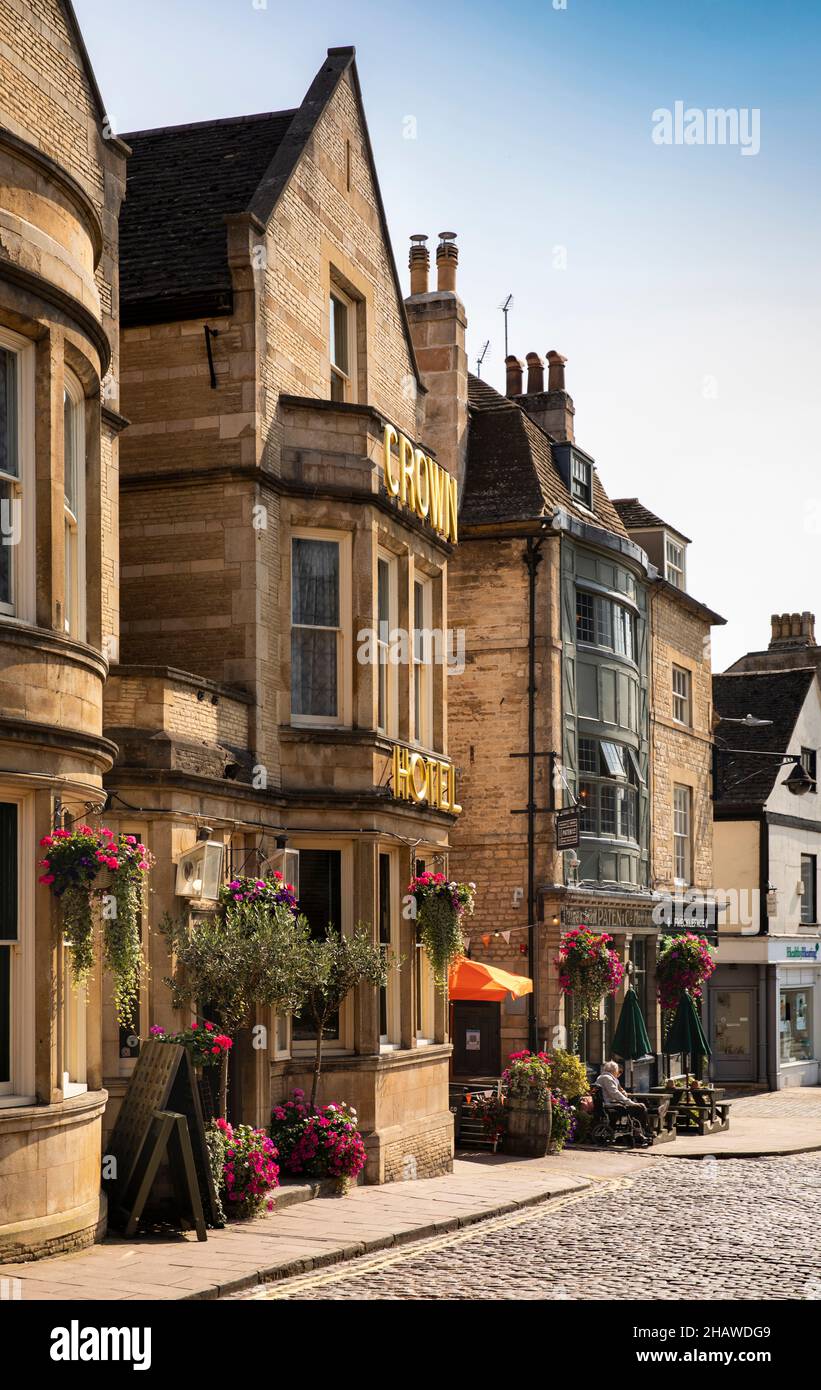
(553, 409)
(515, 371)
(793, 630)
(535, 374)
(438, 323)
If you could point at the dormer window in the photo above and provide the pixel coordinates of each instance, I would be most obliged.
(581, 480)
(674, 571)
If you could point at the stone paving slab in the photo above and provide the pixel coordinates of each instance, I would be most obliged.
(306, 1236)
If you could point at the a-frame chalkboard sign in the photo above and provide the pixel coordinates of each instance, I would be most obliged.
(161, 1118)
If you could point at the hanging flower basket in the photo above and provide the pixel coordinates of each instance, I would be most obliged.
(274, 892)
(589, 969)
(440, 907)
(84, 864)
(683, 965)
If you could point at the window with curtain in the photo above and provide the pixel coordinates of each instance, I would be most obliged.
(74, 509)
(10, 481)
(316, 630)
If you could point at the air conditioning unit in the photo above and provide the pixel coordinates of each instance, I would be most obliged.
(199, 871)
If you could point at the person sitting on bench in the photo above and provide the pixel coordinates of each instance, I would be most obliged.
(613, 1095)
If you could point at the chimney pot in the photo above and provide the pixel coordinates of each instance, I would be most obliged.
(793, 629)
(535, 373)
(555, 370)
(419, 263)
(514, 370)
(447, 258)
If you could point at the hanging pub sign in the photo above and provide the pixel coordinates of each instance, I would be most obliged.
(427, 781)
(568, 828)
(420, 484)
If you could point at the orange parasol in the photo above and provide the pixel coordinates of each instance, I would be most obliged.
(473, 979)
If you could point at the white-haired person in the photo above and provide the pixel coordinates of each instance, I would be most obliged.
(612, 1093)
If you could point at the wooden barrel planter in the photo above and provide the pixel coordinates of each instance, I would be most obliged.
(527, 1128)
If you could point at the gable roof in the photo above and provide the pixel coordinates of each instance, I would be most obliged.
(182, 181)
(510, 475)
(243, 164)
(637, 517)
(775, 695)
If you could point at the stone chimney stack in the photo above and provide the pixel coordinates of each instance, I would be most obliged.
(535, 373)
(515, 371)
(438, 323)
(553, 409)
(419, 263)
(792, 629)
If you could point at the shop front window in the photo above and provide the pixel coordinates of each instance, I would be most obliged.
(795, 1026)
(16, 956)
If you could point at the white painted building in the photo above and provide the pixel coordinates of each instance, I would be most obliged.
(764, 999)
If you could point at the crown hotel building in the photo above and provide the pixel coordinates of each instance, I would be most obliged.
(288, 502)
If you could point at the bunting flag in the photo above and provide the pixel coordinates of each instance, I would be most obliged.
(506, 937)
(486, 939)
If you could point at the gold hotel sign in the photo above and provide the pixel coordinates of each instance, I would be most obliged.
(420, 484)
(427, 781)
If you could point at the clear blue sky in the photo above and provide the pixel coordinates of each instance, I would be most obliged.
(688, 308)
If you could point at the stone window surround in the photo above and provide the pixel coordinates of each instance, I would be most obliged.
(344, 540)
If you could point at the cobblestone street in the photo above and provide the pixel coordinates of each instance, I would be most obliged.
(682, 1229)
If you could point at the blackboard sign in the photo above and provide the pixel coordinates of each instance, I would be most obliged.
(162, 1082)
(568, 827)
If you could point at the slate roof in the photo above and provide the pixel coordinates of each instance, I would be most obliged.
(510, 472)
(637, 517)
(775, 695)
(182, 181)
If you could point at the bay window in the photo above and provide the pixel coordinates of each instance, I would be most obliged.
(602, 622)
(325, 895)
(422, 658)
(609, 778)
(388, 885)
(387, 674)
(16, 476)
(16, 953)
(320, 619)
(74, 508)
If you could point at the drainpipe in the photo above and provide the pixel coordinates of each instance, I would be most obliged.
(532, 558)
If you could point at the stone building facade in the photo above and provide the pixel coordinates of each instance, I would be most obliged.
(285, 509)
(62, 177)
(573, 632)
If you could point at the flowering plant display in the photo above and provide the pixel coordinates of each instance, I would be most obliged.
(490, 1109)
(563, 1122)
(527, 1077)
(273, 892)
(568, 1075)
(684, 964)
(589, 969)
(204, 1042)
(318, 1142)
(74, 861)
(243, 1160)
(440, 906)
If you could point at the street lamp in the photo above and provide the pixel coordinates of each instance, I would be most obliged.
(799, 781)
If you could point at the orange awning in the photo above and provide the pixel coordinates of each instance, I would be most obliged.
(473, 979)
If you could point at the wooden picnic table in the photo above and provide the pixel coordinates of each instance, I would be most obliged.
(697, 1109)
(660, 1114)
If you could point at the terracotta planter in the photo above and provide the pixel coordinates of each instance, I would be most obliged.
(528, 1128)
